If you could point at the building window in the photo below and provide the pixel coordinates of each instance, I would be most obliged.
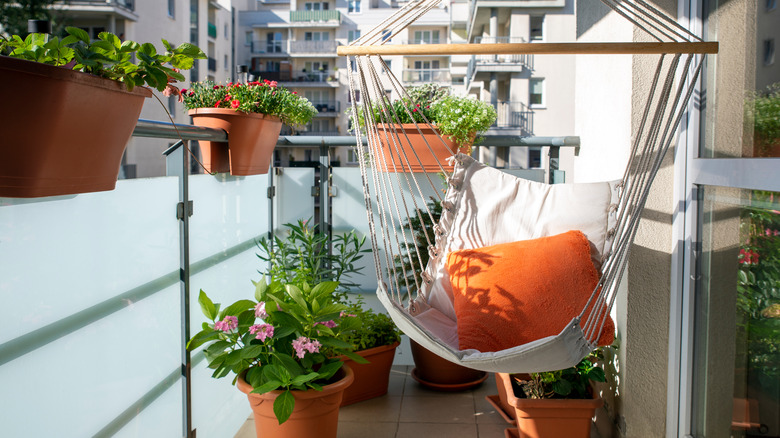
(226, 62)
(357, 97)
(769, 52)
(426, 37)
(171, 8)
(227, 31)
(353, 6)
(389, 64)
(534, 158)
(536, 92)
(536, 31)
(316, 36)
(352, 35)
(248, 38)
(316, 6)
(386, 34)
(771, 5)
(352, 65)
(273, 42)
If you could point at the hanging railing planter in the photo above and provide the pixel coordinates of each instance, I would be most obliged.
(420, 149)
(63, 131)
(251, 140)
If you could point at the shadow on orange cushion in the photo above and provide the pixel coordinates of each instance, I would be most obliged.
(514, 293)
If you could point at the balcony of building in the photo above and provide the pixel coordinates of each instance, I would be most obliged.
(327, 108)
(326, 18)
(516, 117)
(313, 48)
(98, 9)
(271, 48)
(479, 14)
(423, 75)
(212, 30)
(515, 63)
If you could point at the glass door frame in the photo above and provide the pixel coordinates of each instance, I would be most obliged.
(691, 173)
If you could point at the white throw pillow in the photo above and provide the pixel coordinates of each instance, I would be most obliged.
(485, 206)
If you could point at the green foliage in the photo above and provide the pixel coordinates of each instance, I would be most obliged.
(107, 57)
(409, 265)
(758, 285)
(285, 339)
(570, 383)
(459, 117)
(264, 97)
(15, 13)
(302, 257)
(763, 110)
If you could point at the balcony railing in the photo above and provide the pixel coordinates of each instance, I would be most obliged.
(515, 115)
(212, 30)
(320, 47)
(415, 75)
(127, 4)
(315, 16)
(115, 310)
(270, 47)
(327, 106)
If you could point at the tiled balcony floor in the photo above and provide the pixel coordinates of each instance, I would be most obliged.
(411, 410)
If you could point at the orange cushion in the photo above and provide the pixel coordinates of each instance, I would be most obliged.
(514, 293)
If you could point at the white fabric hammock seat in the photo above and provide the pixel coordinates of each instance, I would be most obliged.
(484, 207)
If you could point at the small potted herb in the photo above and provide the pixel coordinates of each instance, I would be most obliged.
(457, 119)
(302, 255)
(552, 403)
(252, 114)
(71, 105)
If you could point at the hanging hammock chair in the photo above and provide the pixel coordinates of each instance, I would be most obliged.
(521, 276)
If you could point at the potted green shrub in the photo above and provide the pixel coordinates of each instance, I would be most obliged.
(457, 119)
(302, 255)
(281, 346)
(71, 105)
(553, 403)
(252, 114)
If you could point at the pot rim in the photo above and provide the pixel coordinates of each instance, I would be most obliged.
(231, 112)
(339, 385)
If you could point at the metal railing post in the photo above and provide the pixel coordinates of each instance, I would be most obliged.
(183, 212)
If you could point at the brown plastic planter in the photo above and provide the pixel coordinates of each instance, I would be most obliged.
(544, 418)
(439, 374)
(419, 139)
(251, 140)
(62, 131)
(371, 379)
(316, 413)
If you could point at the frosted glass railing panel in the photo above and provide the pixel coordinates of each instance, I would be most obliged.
(223, 238)
(293, 198)
(62, 255)
(88, 378)
(163, 417)
(227, 211)
(349, 213)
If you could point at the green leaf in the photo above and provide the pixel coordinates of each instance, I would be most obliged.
(160, 78)
(267, 387)
(305, 378)
(148, 50)
(167, 45)
(334, 342)
(562, 387)
(283, 319)
(355, 357)
(252, 351)
(110, 38)
(325, 288)
(239, 306)
(261, 287)
(297, 295)
(190, 50)
(81, 34)
(207, 306)
(597, 375)
(129, 46)
(329, 369)
(292, 367)
(201, 338)
(283, 331)
(283, 406)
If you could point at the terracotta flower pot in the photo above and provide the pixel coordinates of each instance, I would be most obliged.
(62, 131)
(371, 379)
(542, 418)
(500, 401)
(316, 413)
(428, 155)
(251, 140)
(440, 374)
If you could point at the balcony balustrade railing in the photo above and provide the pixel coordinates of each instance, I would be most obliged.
(127, 4)
(320, 47)
(117, 308)
(315, 16)
(525, 61)
(415, 75)
(515, 115)
(326, 106)
(270, 47)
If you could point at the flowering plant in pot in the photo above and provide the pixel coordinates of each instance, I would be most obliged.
(88, 95)
(252, 114)
(458, 119)
(302, 255)
(281, 346)
(552, 403)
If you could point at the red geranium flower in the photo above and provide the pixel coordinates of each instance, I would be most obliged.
(235, 103)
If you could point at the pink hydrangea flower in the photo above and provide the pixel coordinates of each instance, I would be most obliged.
(329, 324)
(262, 331)
(304, 344)
(343, 314)
(260, 311)
(227, 324)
